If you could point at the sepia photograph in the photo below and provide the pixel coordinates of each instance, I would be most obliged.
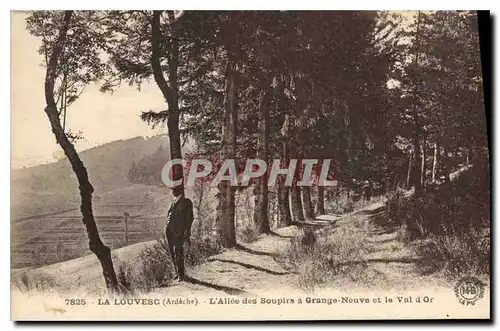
(216, 165)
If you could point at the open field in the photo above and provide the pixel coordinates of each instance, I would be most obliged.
(48, 238)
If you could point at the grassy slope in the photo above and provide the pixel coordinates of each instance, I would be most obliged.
(46, 224)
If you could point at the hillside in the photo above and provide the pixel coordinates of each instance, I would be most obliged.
(52, 187)
(46, 223)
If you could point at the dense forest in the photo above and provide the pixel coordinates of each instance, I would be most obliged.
(395, 100)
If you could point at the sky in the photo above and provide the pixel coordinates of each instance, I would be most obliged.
(100, 117)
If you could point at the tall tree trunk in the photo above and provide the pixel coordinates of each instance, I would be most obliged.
(170, 89)
(308, 206)
(417, 166)
(226, 208)
(298, 153)
(435, 162)
(102, 252)
(446, 164)
(347, 139)
(261, 217)
(410, 165)
(285, 218)
(199, 203)
(320, 204)
(422, 168)
(416, 129)
(297, 210)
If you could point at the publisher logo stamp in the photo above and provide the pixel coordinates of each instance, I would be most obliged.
(469, 290)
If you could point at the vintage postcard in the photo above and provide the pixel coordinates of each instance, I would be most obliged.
(248, 165)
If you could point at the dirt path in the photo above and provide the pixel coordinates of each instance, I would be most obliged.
(251, 268)
(247, 269)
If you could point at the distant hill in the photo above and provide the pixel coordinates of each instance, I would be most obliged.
(46, 225)
(53, 187)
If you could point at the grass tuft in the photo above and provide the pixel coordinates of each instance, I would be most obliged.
(336, 257)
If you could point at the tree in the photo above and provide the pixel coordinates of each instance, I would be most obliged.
(102, 252)
(79, 62)
(439, 97)
(261, 217)
(146, 44)
(133, 173)
(170, 89)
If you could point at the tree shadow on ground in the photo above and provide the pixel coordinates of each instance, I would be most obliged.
(394, 260)
(381, 241)
(251, 266)
(385, 229)
(273, 233)
(370, 211)
(226, 289)
(252, 251)
(312, 225)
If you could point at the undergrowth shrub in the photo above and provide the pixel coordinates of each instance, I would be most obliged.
(454, 220)
(156, 267)
(459, 255)
(319, 262)
(248, 234)
(33, 283)
(342, 203)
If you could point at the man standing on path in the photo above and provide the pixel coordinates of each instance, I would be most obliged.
(178, 229)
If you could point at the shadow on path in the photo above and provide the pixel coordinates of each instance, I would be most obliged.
(311, 224)
(396, 260)
(272, 233)
(228, 290)
(251, 266)
(370, 212)
(385, 229)
(381, 241)
(252, 251)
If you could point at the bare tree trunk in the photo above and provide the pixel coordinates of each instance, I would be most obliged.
(308, 206)
(295, 195)
(200, 196)
(248, 206)
(297, 210)
(416, 129)
(285, 218)
(408, 174)
(170, 89)
(102, 252)
(200, 192)
(446, 164)
(320, 204)
(422, 168)
(435, 162)
(226, 209)
(261, 217)
(417, 166)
